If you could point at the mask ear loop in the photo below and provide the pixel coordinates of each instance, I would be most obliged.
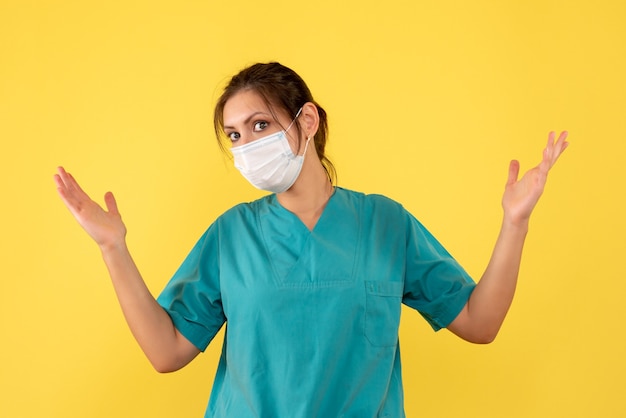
(294, 120)
(306, 145)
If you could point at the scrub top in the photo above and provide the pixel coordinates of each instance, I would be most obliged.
(312, 316)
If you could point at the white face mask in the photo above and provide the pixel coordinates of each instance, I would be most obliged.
(269, 163)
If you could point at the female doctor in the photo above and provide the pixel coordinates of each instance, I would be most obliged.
(310, 278)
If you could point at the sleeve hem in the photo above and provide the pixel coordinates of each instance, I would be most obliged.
(199, 336)
(455, 308)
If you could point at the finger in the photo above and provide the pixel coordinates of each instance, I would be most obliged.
(71, 184)
(513, 172)
(68, 181)
(67, 197)
(559, 146)
(547, 160)
(551, 152)
(71, 193)
(63, 175)
(109, 200)
(58, 181)
(62, 189)
(561, 142)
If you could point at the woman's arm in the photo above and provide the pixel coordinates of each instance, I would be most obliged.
(482, 316)
(151, 326)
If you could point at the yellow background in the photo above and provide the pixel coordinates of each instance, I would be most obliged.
(428, 101)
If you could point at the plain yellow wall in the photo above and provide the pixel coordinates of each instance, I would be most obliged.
(428, 101)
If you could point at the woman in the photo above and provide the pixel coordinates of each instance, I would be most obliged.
(310, 278)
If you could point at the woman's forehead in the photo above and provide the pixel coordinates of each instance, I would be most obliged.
(244, 100)
(245, 103)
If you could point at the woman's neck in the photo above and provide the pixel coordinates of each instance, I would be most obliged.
(308, 196)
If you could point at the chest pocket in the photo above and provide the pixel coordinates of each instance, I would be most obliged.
(382, 312)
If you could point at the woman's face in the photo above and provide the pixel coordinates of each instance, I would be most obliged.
(248, 118)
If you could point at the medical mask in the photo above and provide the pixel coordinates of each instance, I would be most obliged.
(269, 163)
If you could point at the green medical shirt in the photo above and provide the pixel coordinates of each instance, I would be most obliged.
(312, 316)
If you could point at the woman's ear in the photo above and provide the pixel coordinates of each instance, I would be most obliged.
(310, 119)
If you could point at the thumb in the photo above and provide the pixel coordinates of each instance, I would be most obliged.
(513, 172)
(109, 200)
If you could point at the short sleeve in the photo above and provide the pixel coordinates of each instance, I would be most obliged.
(192, 298)
(435, 284)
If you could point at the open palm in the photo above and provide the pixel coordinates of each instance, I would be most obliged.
(521, 196)
(105, 227)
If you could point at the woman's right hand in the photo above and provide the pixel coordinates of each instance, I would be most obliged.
(166, 348)
(105, 227)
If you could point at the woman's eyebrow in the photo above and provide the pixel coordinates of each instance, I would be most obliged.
(245, 122)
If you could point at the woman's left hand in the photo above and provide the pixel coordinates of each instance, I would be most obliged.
(521, 196)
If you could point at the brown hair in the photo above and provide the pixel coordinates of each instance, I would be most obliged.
(278, 86)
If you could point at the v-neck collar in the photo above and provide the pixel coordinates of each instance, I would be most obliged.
(302, 257)
(275, 204)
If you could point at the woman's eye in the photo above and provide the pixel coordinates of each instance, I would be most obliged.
(259, 126)
(234, 136)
